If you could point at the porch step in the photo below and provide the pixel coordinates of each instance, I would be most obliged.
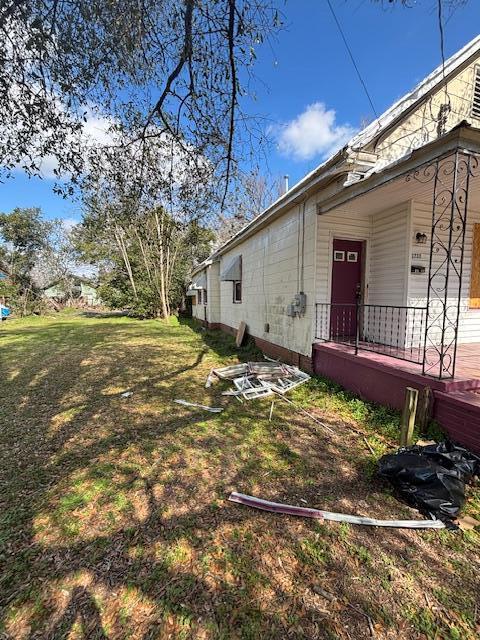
(470, 397)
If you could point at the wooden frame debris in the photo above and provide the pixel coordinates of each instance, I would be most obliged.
(242, 327)
(186, 403)
(407, 422)
(259, 379)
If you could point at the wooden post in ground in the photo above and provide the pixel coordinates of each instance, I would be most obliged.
(242, 327)
(424, 408)
(407, 422)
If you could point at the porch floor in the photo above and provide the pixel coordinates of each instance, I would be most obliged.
(468, 360)
(467, 366)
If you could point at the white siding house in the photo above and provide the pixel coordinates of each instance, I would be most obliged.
(355, 236)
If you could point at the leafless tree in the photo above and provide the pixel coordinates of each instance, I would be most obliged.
(253, 193)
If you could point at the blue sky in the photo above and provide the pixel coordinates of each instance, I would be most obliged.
(309, 91)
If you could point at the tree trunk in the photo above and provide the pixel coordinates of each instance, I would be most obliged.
(126, 260)
(163, 292)
(25, 301)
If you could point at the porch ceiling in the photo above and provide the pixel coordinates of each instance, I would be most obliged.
(400, 190)
(392, 186)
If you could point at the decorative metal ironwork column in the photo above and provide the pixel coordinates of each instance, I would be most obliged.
(450, 176)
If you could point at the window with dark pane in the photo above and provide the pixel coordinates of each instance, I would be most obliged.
(237, 291)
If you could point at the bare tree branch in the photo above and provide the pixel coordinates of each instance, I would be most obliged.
(233, 102)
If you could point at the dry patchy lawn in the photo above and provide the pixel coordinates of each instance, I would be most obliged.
(113, 514)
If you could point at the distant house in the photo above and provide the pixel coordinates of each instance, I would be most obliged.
(4, 275)
(4, 309)
(88, 293)
(368, 269)
(83, 290)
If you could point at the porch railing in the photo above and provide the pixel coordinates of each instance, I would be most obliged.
(395, 331)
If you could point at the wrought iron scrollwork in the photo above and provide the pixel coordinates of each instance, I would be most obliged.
(450, 176)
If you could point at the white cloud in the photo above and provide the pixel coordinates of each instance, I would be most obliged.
(85, 271)
(313, 133)
(69, 223)
(96, 131)
(97, 128)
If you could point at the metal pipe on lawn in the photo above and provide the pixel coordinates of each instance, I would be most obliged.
(292, 510)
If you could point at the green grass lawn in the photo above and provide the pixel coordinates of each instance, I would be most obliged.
(114, 521)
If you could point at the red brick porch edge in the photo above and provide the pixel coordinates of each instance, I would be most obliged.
(459, 413)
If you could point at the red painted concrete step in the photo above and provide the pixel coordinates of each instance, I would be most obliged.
(459, 414)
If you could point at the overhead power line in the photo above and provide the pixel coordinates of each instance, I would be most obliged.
(442, 37)
(352, 58)
(442, 52)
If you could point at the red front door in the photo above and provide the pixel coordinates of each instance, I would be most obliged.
(346, 287)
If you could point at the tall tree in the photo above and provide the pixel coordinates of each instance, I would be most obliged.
(143, 260)
(144, 222)
(23, 235)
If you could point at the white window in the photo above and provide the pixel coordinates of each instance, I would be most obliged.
(237, 291)
(204, 296)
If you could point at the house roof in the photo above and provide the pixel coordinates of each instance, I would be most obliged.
(332, 166)
(324, 171)
(202, 265)
(463, 137)
(411, 99)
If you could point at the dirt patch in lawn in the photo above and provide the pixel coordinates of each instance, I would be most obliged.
(114, 518)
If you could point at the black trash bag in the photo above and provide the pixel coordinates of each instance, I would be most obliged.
(432, 478)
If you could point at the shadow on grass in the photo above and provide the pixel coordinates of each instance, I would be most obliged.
(83, 609)
(92, 313)
(161, 553)
(222, 344)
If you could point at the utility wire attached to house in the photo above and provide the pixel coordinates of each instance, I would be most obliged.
(442, 37)
(446, 108)
(352, 58)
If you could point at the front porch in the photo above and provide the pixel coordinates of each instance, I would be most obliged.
(405, 310)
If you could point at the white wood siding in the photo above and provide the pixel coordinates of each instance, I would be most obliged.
(388, 257)
(271, 276)
(386, 322)
(469, 326)
(343, 225)
(213, 293)
(200, 311)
